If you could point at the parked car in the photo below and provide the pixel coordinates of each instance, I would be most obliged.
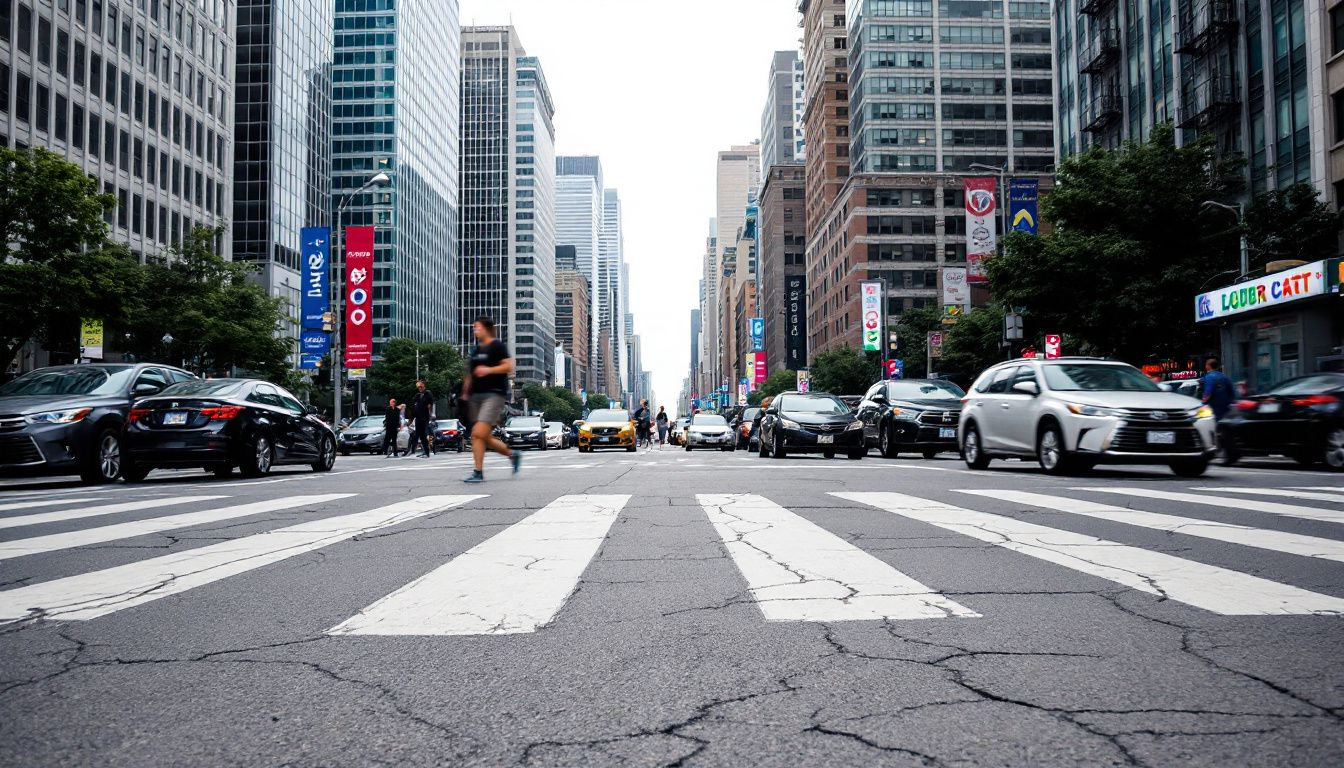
(556, 435)
(911, 416)
(810, 422)
(607, 428)
(68, 419)
(678, 434)
(525, 432)
(450, 435)
(365, 434)
(744, 426)
(220, 424)
(710, 430)
(1074, 413)
(1187, 387)
(1302, 418)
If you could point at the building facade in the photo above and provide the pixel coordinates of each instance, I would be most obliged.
(578, 226)
(395, 110)
(737, 175)
(508, 198)
(612, 278)
(782, 121)
(826, 103)
(781, 249)
(573, 326)
(1332, 103)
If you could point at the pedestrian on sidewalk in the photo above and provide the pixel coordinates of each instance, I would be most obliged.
(661, 420)
(485, 389)
(391, 428)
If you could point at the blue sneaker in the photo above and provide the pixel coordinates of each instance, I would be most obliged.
(476, 476)
(517, 458)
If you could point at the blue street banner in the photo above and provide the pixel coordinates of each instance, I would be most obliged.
(309, 362)
(314, 343)
(1022, 198)
(316, 270)
(757, 334)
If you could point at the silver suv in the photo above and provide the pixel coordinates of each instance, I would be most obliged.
(1074, 413)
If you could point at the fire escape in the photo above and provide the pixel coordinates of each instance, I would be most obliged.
(1099, 57)
(1204, 28)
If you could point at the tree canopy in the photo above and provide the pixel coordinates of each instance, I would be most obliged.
(779, 381)
(844, 371)
(555, 403)
(597, 402)
(394, 375)
(1291, 223)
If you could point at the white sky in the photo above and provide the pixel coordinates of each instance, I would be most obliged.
(655, 89)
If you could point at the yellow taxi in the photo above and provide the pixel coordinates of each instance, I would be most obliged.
(607, 428)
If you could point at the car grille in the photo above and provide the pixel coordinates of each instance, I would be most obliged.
(606, 431)
(1149, 417)
(10, 423)
(19, 450)
(940, 417)
(1130, 439)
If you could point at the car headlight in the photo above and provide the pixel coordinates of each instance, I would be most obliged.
(585, 431)
(788, 424)
(904, 414)
(58, 417)
(1202, 412)
(1091, 410)
(854, 425)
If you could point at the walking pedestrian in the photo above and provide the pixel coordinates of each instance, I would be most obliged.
(485, 390)
(422, 408)
(661, 420)
(410, 433)
(391, 428)
(642, 424)
(1218, 392)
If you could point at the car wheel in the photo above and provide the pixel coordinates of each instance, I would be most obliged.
(1190, 467)
(1334, 449)
(103, 462)
(344, 452)
(930, 455)
(631, 449)
(258, 455)
(828, 454)
(1051, 453)
(688, 447)
(857, 454)
(326, 455)
(222, 470)
(132, 472)
(972, 452)
(777, 448)
(886, 445)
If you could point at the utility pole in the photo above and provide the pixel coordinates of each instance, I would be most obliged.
(379, 179)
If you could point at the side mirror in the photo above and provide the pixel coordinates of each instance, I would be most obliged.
(1027, 388)
(145, 390)
(879, 398)
(771, 411)
(312, 409)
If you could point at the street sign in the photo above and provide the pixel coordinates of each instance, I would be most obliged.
(356, 374)
(1052, 346)
(895, 369)
(1012, 327)
(804, 380)
(936, 343)
(871, 313)
(91, 339)
(310, 362)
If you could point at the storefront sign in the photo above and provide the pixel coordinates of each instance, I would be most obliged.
(981, 239)
(358, 297)
(955, 290)
(316, 266)
(795, 316)
(1022, 194)
(870, 303)
(1269, 291)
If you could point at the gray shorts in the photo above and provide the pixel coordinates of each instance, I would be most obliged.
(488, 407)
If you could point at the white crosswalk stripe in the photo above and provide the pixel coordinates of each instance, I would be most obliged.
(87, 536)
(1278, 541)
(513, 582)
(43, 503)
(1228, 502)
(98, 593)
(1280, 492)
(101, 509)
(1204, 586)
(798, 571)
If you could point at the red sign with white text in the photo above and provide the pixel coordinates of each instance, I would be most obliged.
(981, 237)
(358, 297)
(1052, 347)
(759, 372)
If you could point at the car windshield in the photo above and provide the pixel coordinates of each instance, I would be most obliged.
(750, 414)
(1097, 377)
(924, 390)
(806, 404)
(217, 387)
(609, 414)
(708, 420)
(1309, 385)
(72, 380)
(367, 422)
(524, 422)
(554, 427)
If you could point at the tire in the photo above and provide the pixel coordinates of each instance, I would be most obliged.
(778, 450)
(1051, 453)
(103, 462)
(930, 455)
(857, 454)
(688, 447)
(828, 454)
(972, 450)
(134, 473)
(257, 456)
(1190, 467)
(326, 455)
(345, 452)
(885, 444)
(222, 470)
(1333, 454)
(632, 448)
(727, 448)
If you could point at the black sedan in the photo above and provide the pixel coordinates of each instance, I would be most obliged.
(810, 422)
(1302, 418)
(67, 419)
(525, 432)
(225, 423)
(911, 416)
(449, 435)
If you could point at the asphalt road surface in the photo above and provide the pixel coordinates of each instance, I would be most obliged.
(673, 608)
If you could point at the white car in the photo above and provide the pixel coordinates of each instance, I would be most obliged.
(1073, 413)
(710, 430)
(557, 436)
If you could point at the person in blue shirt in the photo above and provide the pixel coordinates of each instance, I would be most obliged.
(1218, 392)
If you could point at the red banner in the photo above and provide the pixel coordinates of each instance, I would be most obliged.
(759, 372)
(981, 237)
(358, 297)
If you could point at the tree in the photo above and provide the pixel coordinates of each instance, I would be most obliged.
(974, 343)
(597, 402)
(202, 310)
(555, 403)
(394, 374)
(844, 371)
(60, 267)
(1129, 246)
(1291, 223)
(912, 328)
(779, 381)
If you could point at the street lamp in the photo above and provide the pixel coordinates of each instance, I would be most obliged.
(1003, 189)
(1240, 211)
(379, 179)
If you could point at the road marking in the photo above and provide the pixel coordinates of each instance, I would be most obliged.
(98, 593)
(1304, 495)
(1204, 586)
(1277, 541)
(1229, 503)
(105, 509)
(87, 536)
(35, 504)
(798, 571)
(513, 582)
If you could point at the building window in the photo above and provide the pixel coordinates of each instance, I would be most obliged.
(1337, 101)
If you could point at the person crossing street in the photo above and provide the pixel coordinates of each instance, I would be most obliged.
(422, 409)
(661, 421)
(485, 390)
(391, 428)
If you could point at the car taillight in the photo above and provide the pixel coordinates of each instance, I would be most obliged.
(221, 412)
(1247, 405)
(1316, 400)
(138, 414)
(451, 432)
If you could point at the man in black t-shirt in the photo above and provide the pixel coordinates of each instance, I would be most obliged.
(391, 427)
(422, 410)
(486, 389)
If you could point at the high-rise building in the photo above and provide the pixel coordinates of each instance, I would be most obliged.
(573, 324)
(578, 225)
(508, 197)
(395, 110)
(1331, 103)
(611, 297)
(783, 266)
(826, 102)
(707, 366)
(737, 173)
(693, 380)
(139, 96)
(282, 138)
(782, 121)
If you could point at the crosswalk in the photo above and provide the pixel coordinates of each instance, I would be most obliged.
(794, 564)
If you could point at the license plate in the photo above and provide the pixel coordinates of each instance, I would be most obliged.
(174, 418)
(825, 439)
(1162, 438)
(1268, 408)
(947, 433)
(604, 439)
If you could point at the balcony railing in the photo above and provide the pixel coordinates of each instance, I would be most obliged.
(1203, 23)
(1101, 52)
(1103, 111)
(1094, 7)
(1211, 101)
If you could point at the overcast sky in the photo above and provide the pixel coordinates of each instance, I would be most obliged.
(655, 89)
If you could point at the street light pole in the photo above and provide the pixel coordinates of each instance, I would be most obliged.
(377, 180)
(1240, 210)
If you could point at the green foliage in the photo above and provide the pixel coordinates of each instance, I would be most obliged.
(1128, 248)
(844, 371)
(973, 344)
(394, 375)
(59, 267)
(912, 328)
(598, 402)
(555, 403)
(219, 320)
(779, 381)
(1291, 223)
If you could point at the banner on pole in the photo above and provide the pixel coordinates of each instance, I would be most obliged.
(759, 369)
(1022, 199)
(981, 239)
(358, 297)
(795, 315)
(955, 289)
(870, 297)
(316, 265)
(757, 334)
(804, 380)
(91, 339)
